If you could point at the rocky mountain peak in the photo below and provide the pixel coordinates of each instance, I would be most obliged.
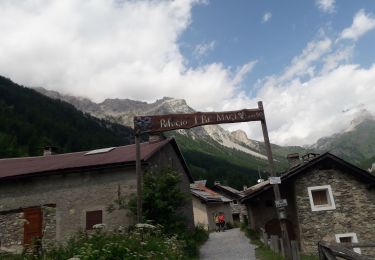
(361, 116)
(240, 135)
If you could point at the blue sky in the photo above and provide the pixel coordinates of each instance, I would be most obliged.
(239, 33)
(311, 62)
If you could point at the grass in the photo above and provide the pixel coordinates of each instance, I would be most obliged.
(264, 252)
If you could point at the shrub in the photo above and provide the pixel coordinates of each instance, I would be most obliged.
(140, 243)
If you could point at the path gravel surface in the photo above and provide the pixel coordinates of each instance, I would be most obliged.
(229, 245)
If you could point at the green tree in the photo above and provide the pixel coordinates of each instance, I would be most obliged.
(163, 199)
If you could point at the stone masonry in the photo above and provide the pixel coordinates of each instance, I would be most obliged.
(354, 213)
(11, 231)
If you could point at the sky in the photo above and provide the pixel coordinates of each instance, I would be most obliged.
(312, 62)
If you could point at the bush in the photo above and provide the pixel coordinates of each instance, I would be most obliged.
(140, 243)
(193, 240)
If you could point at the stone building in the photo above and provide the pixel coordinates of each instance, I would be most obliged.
(239, 212)
(207, 203)
(54, 196)
(328, 199)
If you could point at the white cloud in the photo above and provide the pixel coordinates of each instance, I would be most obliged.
(326, 5)
(317, 95)
(108, 49)
(203, 49)
(266, 17)
(102, 49)
(301, 65)
(362, 23)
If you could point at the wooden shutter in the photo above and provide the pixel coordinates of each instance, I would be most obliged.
(320, 197)
(33, 225)
(93, 218)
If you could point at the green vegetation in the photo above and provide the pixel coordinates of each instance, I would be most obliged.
(144, 242)
(162, 200)
(264, 252)
(30, 121)
(214, 162)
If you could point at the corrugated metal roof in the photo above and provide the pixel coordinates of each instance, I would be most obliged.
(42, 164)
(207, 194)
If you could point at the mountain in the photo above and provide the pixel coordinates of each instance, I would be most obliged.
(123, 110)
(214, 153)
(30, 121)
(211, 152)
(355, 144)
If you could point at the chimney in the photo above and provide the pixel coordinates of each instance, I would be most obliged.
(293, 159)
(49, 150)
(244, 187)
(217, 183)
(309, 156)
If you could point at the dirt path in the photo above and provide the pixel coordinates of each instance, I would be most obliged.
(231, 244)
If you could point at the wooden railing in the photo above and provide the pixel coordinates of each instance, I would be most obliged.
(329, 251)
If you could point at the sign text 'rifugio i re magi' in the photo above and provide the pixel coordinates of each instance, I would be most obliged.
(161, 123)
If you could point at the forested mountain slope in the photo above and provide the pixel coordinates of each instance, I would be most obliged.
(29, 121)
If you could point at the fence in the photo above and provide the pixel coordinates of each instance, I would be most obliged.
(276, 245)
(329, 251)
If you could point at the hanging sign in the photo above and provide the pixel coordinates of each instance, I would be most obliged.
(281, 203)
(161, 123)
(275, 180)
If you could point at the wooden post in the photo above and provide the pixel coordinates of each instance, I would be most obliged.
(275, 243)
(138, 169)
(295, 250)
(265, 238)
(276, 190)
(282, 249)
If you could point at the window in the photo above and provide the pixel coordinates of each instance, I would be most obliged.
(235, 202)
(321, 198)
(93, 218)
(348, 238)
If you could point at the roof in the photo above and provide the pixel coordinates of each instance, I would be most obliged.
(228, 190)
(101, 158)
(207, 195)
(318, 160)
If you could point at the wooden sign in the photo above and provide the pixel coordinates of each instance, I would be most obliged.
(161, 123)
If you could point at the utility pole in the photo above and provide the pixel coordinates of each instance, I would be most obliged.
(138, 170)
(281, 211)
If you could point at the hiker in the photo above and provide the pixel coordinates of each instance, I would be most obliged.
(222, 221)
(217, 222)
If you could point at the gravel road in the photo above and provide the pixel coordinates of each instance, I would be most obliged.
(229, 245)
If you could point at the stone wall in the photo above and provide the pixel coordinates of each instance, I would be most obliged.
(216, 208)
(11, 231)
(78, 192)
(354, 213)
(49, 226)
(200, 213)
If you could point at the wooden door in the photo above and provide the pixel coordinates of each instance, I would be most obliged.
(33, 225)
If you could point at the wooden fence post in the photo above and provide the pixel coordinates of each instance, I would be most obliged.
(282, 247)
(295, 250)
(265, 238)
(275, 243)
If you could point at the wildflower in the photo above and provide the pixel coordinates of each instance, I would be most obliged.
(98, 226)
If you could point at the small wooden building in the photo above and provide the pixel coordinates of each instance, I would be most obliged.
(328, 199)
(54, 196)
